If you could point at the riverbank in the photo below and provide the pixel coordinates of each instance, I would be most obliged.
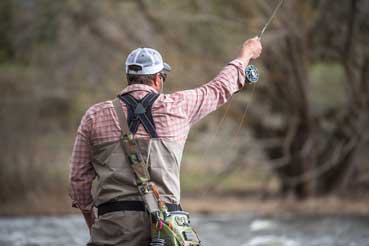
(205, 204)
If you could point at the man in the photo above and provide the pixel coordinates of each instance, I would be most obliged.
(161, 122)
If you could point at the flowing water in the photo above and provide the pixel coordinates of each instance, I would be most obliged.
(214, 230)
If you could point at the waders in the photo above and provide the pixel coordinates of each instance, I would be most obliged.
(167, 228)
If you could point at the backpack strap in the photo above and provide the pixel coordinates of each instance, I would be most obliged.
(139, 112)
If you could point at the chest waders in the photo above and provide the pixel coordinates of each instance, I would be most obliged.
(167, 228)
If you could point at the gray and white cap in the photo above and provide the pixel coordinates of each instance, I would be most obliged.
(146, 61)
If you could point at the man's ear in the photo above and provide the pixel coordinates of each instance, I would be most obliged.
(156, 81)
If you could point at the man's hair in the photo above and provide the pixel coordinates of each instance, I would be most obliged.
(140, 79)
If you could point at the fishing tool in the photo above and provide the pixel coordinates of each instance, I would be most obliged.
(251, 72)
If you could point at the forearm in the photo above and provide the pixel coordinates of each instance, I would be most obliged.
(229, 81)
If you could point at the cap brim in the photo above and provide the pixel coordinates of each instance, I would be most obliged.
(167, 67)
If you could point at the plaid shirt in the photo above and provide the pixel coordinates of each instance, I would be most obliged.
(173, 116)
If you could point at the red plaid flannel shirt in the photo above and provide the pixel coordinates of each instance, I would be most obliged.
(173, 115)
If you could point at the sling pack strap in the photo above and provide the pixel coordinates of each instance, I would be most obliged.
(130, 147)
(147, 189)
(139, 112)
(121, 117)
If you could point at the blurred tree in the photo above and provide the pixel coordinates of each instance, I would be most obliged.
(315, 148)
(58, 57)
(6, 20)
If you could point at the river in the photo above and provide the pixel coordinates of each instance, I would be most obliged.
(214, 230)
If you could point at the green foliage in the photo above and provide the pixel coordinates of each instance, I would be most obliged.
(327, 86)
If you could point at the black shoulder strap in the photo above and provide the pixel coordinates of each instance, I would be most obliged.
(139, 112)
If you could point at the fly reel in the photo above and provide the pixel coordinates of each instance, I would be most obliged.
(251, 74)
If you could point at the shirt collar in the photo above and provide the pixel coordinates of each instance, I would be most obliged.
(137, 87)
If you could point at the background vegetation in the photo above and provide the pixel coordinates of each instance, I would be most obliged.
(306, 127)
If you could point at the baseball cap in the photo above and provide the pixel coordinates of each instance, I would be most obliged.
(146, 61)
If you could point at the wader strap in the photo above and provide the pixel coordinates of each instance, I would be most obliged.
(131, 147)
(139, 112)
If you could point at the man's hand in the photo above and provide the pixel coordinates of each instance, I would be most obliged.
(89, 218)
(251, 49)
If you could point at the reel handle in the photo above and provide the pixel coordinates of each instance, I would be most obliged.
(251, 74)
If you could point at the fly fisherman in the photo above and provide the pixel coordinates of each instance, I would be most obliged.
(132, 145)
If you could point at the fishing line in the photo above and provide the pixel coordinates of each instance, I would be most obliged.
(204, 155)
(245, 111)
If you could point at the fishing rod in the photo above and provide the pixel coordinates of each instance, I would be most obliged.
(251, 72)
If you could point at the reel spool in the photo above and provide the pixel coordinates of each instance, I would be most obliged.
(251, 74)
